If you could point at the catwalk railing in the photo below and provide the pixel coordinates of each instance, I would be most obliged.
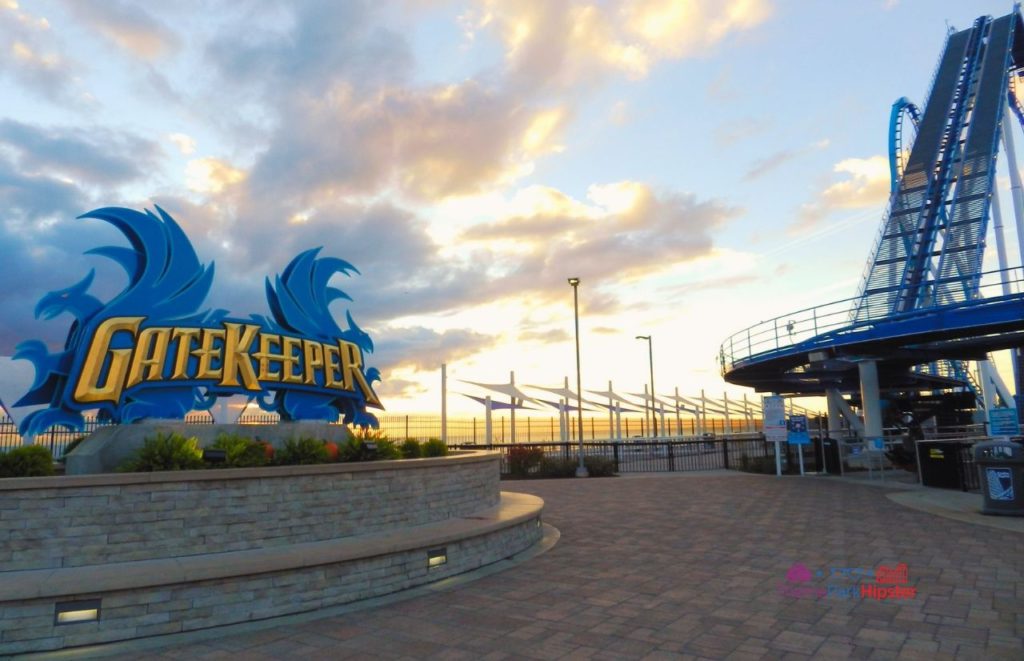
(776, 335)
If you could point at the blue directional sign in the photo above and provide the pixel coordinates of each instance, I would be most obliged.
(1003, 422)
(798, 430)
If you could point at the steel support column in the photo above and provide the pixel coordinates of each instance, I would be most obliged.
(870, 399)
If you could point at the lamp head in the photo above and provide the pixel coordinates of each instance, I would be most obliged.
(574, 281)
(643, 337)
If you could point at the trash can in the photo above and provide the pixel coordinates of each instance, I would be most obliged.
(1001, 467)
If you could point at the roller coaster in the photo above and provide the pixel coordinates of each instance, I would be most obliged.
(925, 305)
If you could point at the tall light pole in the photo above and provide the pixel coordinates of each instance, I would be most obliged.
(581, 470)
(650, 357)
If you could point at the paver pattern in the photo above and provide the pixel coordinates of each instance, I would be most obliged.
(690, 566)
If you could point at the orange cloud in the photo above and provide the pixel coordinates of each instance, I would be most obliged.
(866, 185)
(211, 175)
(565, 43)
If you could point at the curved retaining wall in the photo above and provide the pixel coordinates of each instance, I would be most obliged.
(97, 519)
(171, 552)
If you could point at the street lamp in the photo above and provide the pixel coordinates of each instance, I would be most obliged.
(581, 470)
(650, 356)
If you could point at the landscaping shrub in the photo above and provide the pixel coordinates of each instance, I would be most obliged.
(599, 466)
(367, 444)
(26, 461)
(522, 460)
(241, 451)
(302, 451)
(165, 452)
(411, 449)
(556, 467)
(352, 449)
(435, 447)
(333, 451)
(368, 434)
(386, 449)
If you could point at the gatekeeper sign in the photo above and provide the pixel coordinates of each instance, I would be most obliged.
(152, 352)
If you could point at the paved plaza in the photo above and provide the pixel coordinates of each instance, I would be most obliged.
(694, 566)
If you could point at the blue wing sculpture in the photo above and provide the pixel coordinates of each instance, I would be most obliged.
(299, 300)
(166, 290)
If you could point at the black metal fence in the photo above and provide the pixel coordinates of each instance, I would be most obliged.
(659, 456)
(58, 438)
(469, 431)
(968, 469)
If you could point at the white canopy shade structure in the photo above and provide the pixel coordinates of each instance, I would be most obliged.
(509, 389)
(569, 395)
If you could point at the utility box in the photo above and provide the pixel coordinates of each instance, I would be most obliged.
(1001, 469)
(939, 464)
(827, 456)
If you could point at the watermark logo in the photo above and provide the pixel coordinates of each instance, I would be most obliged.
(882, 583)
(798, 583)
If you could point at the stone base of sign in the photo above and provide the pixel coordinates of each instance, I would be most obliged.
(107, 447)
(393, 526)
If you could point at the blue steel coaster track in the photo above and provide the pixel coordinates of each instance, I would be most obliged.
(902, 110)
(921, 299)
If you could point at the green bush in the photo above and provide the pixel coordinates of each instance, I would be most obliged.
(522, 460)
(356, 448)
(240, 451)
(26, 461)
(353, 449)
(435, 447)
(165, 452)
(386, 449)
(410, 449)
(556, 467)
(69, 448)
(599, 466)
(302, 451)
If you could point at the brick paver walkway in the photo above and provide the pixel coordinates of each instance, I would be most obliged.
(690, 565)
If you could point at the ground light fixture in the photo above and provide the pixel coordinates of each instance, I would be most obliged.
(437, 557)
(581, 470)
(215, 456)
(75, 612)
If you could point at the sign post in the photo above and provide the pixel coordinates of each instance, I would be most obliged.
(775, 431)
(798, 436)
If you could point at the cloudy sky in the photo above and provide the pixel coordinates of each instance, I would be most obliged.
(701, 165)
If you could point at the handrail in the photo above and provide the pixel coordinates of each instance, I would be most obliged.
(778, 334)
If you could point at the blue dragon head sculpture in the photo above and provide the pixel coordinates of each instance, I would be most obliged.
(165, 278)
(166, 290)
(299, 301)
